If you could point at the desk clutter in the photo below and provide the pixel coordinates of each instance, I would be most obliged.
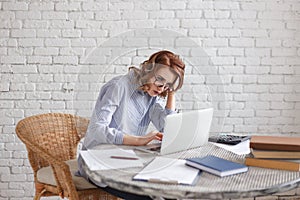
(274, 152)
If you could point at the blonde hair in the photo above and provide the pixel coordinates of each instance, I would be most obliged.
(156, 60)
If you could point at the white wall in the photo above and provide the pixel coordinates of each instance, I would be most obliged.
(243, 58)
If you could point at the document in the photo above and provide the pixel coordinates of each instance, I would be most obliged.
(168, 171)
(110, 159)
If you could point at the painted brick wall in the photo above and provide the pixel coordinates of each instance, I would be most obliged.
(243, 59)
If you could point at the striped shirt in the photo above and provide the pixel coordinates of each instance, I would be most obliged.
(122, 108)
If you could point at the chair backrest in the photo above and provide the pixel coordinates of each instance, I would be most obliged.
(57, 133)
(51, 139)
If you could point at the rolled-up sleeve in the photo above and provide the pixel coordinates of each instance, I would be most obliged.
(99, 130)
(158, 114)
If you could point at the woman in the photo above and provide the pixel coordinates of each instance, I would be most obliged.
(127, 104)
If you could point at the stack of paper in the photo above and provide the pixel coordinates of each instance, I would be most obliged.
(110, 159)
(168, 171)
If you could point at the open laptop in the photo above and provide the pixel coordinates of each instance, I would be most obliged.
(183, 131)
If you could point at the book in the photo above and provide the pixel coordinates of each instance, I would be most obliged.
(257, 153)
(275, 143)
(291, 165)
(168, 171)
(215, 165)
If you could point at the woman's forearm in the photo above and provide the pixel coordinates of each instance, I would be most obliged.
(171, 101)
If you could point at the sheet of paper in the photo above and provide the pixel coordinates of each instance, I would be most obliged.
(168, 170)
(240, 149)
(101, 159)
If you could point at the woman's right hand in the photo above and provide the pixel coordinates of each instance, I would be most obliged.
(142, 140)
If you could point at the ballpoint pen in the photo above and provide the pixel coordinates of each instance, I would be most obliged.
(124, 157)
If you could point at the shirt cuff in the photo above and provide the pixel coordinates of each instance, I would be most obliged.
(169, 111)
(119, 138)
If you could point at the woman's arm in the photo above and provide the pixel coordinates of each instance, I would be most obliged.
(141, 140)
(171, 101)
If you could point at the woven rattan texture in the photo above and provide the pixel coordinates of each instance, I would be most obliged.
(50, 140)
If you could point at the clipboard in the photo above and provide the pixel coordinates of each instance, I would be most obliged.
(168, 171)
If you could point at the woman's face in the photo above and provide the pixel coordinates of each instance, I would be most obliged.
(162, 80)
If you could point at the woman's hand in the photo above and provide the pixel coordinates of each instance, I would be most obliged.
(142, 140)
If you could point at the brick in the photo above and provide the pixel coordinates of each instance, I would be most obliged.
(247, 61)
(137, 15)
(188, 14)
(24, 69)
(53, 105)
(228, 33)
(271, 24)
(94, 33)
(264, 52)
(166, 23)
(82, 15)
(57, 42)
(4, 87)
(282, 70)
(161, 14)
(46, 33)
(226, 23)
(255, 33)
(172, 5)
(201, 32)
(218, 42)
(71, 6)
(15, 6)
(199, 5)
(258, 6)
(73, 60)
(141, 24)
(28, 15)
(31, 42)
(61, 24)
(193, 23)
(279, 61)
(71, 33)
(13, 59)
(94, 6)
(149, 6)
(46, 51)
(215, 14)
(40, 60)
(271, 97)
(41, 6)
(241, 42)
(246, 24)
(257, 70)
(282, 105)
(38, 24)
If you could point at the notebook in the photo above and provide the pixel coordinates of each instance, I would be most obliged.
(183, 131)
(218, 166)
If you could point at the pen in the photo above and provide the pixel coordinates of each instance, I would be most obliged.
(124, 157)
(154, 180)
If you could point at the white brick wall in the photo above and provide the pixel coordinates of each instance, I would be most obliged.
(243, 59)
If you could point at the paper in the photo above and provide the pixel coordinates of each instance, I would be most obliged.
(168, 170)
(240, 148)
(102, 159)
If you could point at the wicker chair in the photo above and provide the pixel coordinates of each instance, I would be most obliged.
(51, 141)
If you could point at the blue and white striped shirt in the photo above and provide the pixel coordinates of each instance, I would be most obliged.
(122, 108)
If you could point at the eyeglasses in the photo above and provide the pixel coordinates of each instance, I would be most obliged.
(161, 82)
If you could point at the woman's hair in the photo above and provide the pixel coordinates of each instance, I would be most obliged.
(149, 67)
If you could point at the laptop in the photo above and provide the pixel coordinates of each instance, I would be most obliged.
(183, 131)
